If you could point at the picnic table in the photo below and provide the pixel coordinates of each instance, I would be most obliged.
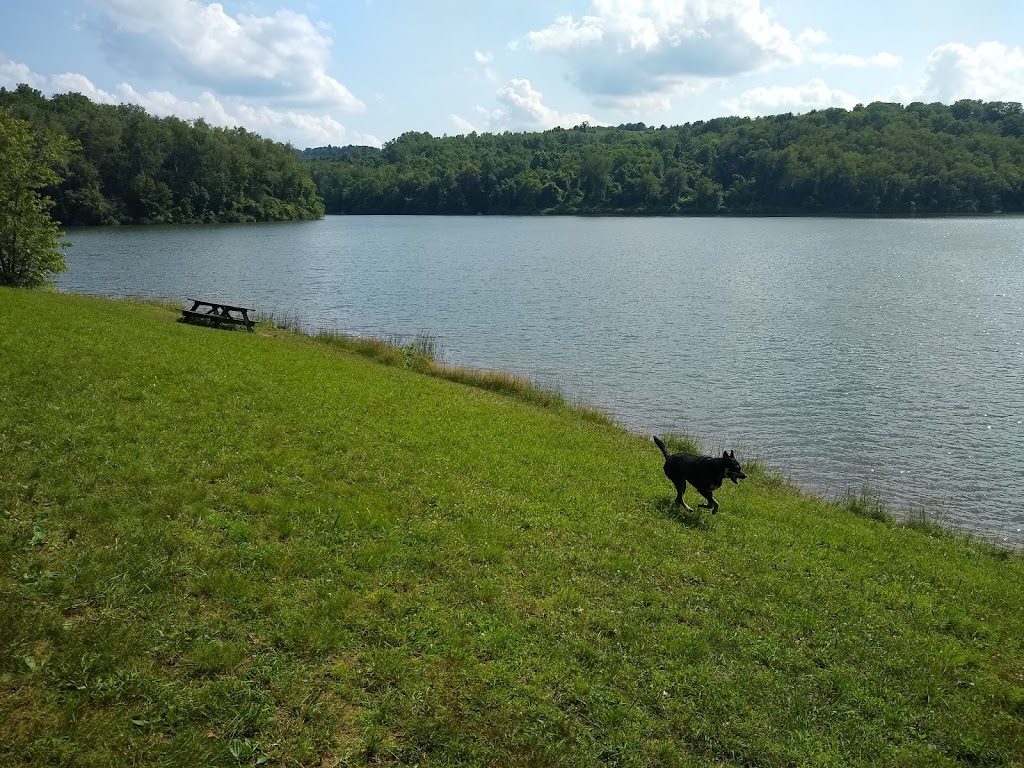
(217, 313)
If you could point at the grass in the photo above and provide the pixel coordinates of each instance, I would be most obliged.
(420, 352)
(420, 355)
(865, 504)
(220, 548)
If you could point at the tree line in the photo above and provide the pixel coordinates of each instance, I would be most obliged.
(882, 158)
(133, 168)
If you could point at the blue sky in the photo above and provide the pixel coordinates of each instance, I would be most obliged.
(366, 71)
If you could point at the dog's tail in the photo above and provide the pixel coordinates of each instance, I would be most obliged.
(661, 445)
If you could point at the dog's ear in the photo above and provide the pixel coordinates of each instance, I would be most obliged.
(732, 453)
(725, 454)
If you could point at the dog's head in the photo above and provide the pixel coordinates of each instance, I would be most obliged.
(733, 470)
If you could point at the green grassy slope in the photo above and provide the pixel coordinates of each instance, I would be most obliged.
(220, 548)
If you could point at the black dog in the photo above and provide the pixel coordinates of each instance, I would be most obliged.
(705, 473)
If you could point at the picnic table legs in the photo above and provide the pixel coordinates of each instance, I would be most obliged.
(218, 313)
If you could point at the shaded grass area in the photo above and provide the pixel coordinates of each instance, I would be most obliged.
(220, 548)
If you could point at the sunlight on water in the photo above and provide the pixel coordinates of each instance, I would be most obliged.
(847, 353)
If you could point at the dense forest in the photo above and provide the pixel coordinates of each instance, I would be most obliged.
(877, 159)
(133, 168)
(882, 158)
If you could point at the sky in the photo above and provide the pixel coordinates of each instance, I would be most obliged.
(313, 73)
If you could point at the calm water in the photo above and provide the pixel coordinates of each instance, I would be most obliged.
(886, 353)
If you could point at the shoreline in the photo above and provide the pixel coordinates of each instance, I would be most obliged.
(419, 352)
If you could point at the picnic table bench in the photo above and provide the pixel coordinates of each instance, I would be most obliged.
(218, 313)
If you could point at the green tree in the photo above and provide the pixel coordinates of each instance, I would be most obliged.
(707, 196)
(874, 159)
(30, 244)
(595, 176)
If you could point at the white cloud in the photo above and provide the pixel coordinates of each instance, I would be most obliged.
(13, 73)
(644, 104)
(299, 128)
(483, 60)
(812, 37)
(521, 108)
(283, 56)
(462, 125)
(886, 60)
(771, 100)
(899, 94)
(524, 105)
(566, 33)
(267, 73)
(635, 55)
(991, 72)
(629, 48)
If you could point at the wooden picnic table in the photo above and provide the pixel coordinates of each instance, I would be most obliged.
(218, 313)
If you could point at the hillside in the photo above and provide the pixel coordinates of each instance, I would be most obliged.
(134, 168)
(220, 548)
(879, 159)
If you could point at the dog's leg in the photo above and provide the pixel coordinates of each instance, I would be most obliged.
(680, 487)
(712, 504)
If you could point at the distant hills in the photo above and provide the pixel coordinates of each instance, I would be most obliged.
(878, 159)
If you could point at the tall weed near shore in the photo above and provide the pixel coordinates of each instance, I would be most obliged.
(420, 353)
(228, 549)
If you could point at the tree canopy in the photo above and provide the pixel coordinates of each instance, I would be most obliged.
(877, 159)
(135, 168)
(883, 158)
(30, 244)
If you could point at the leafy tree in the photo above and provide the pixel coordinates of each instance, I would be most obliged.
(30, 244)
(136, 168)
(594, 176)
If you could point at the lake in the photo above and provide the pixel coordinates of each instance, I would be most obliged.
(880, 353)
